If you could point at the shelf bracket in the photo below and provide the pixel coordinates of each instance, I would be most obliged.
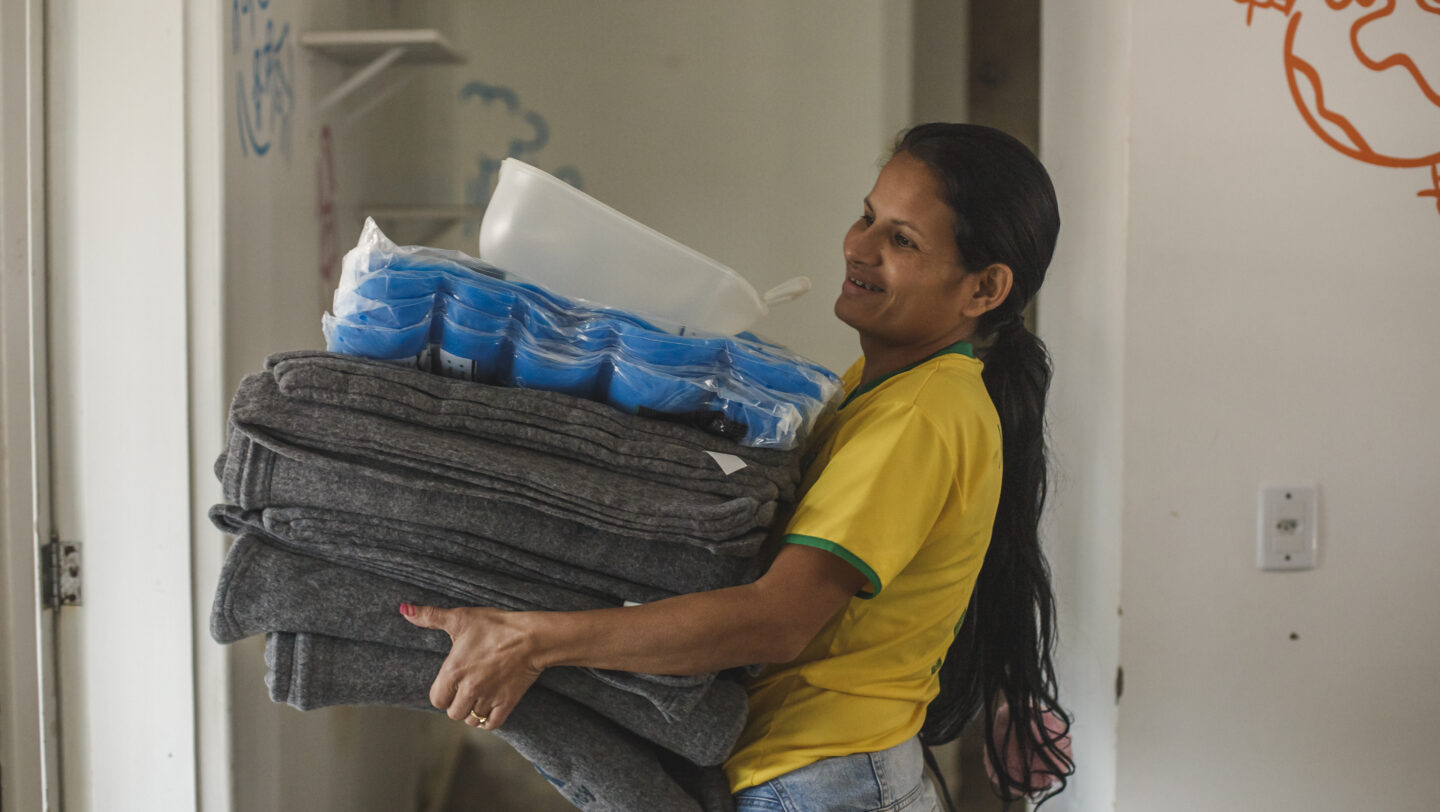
(376, 100)
(376, 51)
(361, 76)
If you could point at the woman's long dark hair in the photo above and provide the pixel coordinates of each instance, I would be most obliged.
(1005, 212)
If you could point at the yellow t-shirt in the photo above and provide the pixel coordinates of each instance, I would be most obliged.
(903, 484)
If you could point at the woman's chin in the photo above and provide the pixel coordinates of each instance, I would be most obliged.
(842, 310)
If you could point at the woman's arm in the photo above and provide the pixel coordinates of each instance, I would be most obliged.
(496, 655)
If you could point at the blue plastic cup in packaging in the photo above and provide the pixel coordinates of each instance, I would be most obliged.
(475, 355)
(411, 303)
(384, 343)
(388, 285)
(774, 374)
(535, 367)
(769, 423)
(634, 386)
(602, 334)
(357, 309)
(670, 352)
(483, 294)
(494, 317)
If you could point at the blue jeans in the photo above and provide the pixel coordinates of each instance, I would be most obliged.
(891, 780)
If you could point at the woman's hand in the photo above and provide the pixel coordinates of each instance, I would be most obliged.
(490, 666)
(495, 655)
(1040, 773)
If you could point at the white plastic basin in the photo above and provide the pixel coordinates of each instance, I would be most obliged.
(549, 232)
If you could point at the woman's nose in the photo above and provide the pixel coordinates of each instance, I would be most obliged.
(859, 247)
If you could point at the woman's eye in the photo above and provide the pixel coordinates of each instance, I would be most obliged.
(867, 218)
(904, 241)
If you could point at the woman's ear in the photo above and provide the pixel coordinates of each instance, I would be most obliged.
(988, 289)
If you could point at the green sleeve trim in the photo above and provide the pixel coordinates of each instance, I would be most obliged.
(851, 558)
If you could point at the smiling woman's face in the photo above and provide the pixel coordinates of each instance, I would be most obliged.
(904, 285)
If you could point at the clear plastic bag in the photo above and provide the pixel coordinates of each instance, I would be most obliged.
(469, 320)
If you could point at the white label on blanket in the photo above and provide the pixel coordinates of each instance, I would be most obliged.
(729, 463)
(632, 603)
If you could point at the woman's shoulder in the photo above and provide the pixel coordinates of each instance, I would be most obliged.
(947, 395)
(944, 389)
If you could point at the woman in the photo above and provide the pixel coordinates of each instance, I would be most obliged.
(882, 626)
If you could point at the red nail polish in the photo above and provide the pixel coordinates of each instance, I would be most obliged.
(407, 610)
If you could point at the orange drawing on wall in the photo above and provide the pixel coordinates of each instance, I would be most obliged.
(1352, 64)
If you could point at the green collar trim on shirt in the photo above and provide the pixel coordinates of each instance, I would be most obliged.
(964, 348)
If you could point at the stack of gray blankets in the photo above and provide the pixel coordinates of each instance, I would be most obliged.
(354, 485)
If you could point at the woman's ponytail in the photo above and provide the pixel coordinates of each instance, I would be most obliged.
(1005, 213)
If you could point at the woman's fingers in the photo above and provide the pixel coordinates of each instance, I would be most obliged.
(466, 702)
(479, 718)
(487, 659)
(442, 692)
(467, 699)
(471, 706)
(498, 715)
(428, 617)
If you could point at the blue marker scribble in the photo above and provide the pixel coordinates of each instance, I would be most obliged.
(533, 137)
(264, 97)
(488, 93)
(242, 9)
(520, 147)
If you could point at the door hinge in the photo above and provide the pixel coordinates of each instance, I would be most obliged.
(60, 570)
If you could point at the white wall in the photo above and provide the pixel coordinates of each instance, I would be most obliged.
(749, 131)
(279, 271)
(1272, 318)
(1084, 117)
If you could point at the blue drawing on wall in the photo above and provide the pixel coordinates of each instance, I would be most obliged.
(264, 60)
(522, 132)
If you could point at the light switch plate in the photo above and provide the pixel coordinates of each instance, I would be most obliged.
(1287, 527)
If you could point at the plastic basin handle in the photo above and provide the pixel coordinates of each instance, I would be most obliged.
(787, 290)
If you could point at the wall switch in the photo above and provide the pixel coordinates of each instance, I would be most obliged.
(1287, 527)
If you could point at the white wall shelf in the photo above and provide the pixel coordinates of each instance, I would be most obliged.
(376, 51)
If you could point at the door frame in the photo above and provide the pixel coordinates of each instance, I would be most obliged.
(133, 206)
(29, 750)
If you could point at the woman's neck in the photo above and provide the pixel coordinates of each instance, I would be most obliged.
(883, 359)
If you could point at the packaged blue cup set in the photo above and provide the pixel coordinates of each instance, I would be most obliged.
(452, 314)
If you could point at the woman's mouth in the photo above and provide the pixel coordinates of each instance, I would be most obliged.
(862, 284)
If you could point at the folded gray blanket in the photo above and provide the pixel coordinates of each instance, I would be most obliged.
(263, 587)
(302, 525)
(476, 585)
(596, 764)
(333, 670)
(401, 485)
(703, 512)
(544, 421)
(256, 478)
